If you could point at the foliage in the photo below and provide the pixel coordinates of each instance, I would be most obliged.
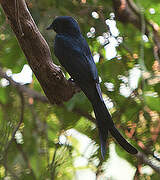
(39, 154)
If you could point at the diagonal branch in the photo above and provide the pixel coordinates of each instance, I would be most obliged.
(127, 12)
(37, 52)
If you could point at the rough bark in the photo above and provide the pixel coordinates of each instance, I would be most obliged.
(37, 52)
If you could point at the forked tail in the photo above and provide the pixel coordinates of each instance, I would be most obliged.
(104, 120)
(105, 124)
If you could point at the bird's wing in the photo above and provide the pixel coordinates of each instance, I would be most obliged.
(77, 63)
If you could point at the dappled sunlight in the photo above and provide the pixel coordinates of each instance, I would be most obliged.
(111, 39)
(24, 77)
(43, 141)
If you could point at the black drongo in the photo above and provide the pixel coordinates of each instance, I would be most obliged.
(74, 55)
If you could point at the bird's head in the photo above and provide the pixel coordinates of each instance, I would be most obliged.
(65, 25)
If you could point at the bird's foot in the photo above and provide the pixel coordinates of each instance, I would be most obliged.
(74, 85)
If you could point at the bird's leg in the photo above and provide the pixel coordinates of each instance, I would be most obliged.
(71, 80)
(74, 85)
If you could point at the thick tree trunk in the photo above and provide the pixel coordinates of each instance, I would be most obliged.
(37, 52)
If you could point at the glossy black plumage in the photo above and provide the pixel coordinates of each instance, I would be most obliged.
(74, 54)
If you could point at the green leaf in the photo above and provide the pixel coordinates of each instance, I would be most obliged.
(152, 102)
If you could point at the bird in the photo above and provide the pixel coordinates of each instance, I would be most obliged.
(73, 53)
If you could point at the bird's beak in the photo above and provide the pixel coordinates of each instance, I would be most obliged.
(49, 27)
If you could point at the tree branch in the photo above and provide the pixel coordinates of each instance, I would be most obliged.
(38, 55)
(24, 89)
(37, 52)
(127, 12)
(145, 160)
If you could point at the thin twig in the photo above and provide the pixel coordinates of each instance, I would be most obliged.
(16, 128)
(11, 172)
(26, 160)
(47, 141)
(137, 173)
(4, 160)
(143, 26)
(52, 165)
(135, 9)
(155, 52)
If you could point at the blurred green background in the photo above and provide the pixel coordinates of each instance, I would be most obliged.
(50, 142)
